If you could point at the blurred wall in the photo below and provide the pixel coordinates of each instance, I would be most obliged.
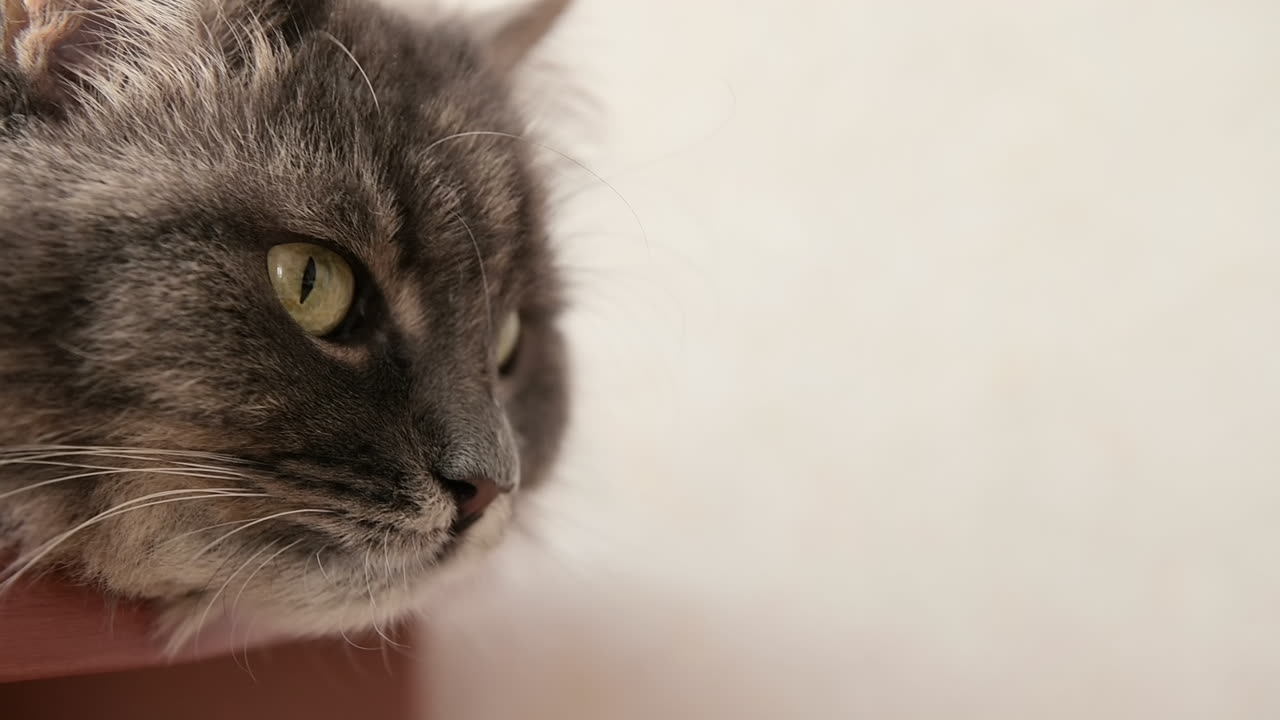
(928, 361)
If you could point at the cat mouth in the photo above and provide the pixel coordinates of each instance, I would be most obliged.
(443, 545)
(347, 584)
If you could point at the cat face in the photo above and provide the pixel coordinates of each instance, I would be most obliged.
(278, 290)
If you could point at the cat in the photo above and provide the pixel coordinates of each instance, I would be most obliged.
(278, 329)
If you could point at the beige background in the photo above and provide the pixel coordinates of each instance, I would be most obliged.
(947, 383)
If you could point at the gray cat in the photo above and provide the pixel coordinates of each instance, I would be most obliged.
(278, 311)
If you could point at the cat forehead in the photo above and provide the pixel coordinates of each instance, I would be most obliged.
(386, 137)
(389, 139)
(382, 140)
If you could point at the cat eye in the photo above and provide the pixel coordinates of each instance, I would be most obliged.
(508, 341)
(314, 284)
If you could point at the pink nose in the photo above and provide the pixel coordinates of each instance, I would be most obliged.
(472, 495)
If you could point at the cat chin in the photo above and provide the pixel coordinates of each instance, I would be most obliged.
(196, 624)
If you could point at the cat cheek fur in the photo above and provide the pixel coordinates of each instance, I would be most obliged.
(169, 433)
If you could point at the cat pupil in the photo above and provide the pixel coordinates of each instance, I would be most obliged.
(308, 279)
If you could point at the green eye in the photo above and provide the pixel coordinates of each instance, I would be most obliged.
(314, 284)
(508, 340)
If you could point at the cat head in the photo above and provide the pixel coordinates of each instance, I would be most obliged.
(277, 293)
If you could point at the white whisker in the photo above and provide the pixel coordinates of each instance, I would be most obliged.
(386, 659)
(386, 556)
(343, 633)
(92, 449)
(373, 603)
(244, 586)
(320, 565)
(484, 278)
(109, 471)
(44, 459)
(248, 525)
(189, 533)
(204, 616)
(28, 561)
(359, 67)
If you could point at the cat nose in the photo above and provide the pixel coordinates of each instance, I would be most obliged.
(473, 495)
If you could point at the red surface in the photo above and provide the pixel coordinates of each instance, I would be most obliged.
(66, 654)
(316, 680)
(50, 629)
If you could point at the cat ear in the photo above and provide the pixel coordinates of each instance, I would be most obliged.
(13, 19)
(51, 42)
(510, 34)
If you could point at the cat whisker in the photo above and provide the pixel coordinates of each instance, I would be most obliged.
(244, 586)
(344, 635)
(20, 567)
(350, 642)
(250, 524)
(306, 568)
(204, 616)
(92, 449)
(359, 67)
(387, 639)
(48, 458)
(213, 468)
(320, 565)
(404, 573)
(189, 533)
(422, 563)
(244, 650)
(386, 660)
(105, 472)
(53, 455)
(40, 460)
(386, 554)
(373, 603)
(484, 278)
